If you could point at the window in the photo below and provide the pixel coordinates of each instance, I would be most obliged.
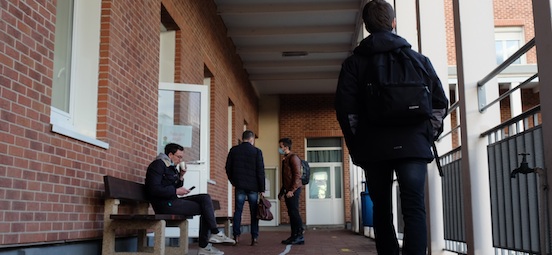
(508, 40)
(324, 150)
(76, 65)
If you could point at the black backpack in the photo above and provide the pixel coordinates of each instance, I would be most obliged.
(396, 92)
(305, 171)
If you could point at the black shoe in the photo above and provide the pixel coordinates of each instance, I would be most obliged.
(254, 242)
(299, 239)
(288, 240)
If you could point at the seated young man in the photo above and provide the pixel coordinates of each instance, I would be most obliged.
(164, 185)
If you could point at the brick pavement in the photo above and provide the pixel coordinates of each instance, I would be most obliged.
(317, 241)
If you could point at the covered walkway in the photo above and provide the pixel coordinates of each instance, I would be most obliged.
(317, 241)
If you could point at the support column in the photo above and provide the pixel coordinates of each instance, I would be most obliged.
(433, 44)
(475, 56)
(543, 39)
(516, 103)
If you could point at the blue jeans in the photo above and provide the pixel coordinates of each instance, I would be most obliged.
(411, 176)
(252, 198)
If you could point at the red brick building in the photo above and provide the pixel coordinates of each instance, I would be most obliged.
(51, 169)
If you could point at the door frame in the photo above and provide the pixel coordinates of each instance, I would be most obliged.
(337, 206)
(199, 167)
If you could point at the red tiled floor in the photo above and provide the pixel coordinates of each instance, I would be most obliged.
(319, 241)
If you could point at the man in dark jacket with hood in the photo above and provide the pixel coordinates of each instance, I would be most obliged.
(382, 149)
(245, 170)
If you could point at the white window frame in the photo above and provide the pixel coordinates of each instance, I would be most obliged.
(511, 34)
(81, 119)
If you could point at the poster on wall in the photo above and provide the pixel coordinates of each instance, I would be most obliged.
(179, 134)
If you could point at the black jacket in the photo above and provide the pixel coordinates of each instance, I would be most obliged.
(162, 180)
(370, 142)
(245, 167)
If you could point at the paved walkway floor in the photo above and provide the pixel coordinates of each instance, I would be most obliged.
(317, 241)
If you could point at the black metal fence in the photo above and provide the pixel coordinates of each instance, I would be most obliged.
(517, 191)
(515, 197)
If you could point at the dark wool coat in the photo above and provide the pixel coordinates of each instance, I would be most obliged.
(162, 180)
(370, 142)
(245, 167)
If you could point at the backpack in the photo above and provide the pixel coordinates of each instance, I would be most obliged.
(396, 92)
(305, 172)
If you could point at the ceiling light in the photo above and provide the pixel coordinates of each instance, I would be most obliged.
(294, 53)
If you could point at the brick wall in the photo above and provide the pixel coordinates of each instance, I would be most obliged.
(311, 116)
(51, 186)
(506, 13)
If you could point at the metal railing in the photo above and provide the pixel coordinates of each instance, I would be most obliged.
(481, 96)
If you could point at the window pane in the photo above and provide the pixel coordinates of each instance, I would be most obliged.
(324, 142)
(180, 121)
(511, 48)
(62, 55)
(324, 156)
(338, 182)
(319, 185)
(499, 52)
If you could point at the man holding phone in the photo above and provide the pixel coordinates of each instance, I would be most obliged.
(164, 187)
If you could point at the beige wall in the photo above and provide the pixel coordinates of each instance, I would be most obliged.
(269, 130)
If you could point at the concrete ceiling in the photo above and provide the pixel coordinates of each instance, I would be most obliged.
(292, 46)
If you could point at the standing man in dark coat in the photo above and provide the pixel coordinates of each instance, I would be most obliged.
(245, 170)
(384, 150)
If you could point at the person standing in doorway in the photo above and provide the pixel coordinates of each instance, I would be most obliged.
(163, 189)
(245, 170)
(383, 149)
(291, 190)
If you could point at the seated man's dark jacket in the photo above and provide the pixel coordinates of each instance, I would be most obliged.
(372, 142)
(162, 180)
(245, 167)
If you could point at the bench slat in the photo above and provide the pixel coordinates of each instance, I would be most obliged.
(149, 217)
(123, 189)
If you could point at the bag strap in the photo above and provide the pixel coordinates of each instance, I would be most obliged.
(439, 167)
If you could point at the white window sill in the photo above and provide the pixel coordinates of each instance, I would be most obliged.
(73, 134)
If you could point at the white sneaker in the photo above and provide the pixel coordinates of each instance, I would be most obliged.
(221, 238)
(209, 250)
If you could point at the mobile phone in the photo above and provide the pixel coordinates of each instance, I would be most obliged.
(192, 188)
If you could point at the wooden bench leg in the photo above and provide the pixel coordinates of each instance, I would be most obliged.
(108, 242)
(182, 241)
(158, 227)
(159, 238)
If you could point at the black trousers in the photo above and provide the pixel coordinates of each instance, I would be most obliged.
(292, 204)
(200, 204)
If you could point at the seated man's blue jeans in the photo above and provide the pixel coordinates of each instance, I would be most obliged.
(411, 176)
(252, 198)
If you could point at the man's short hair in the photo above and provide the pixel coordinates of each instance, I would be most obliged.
(286, 142)
(247, 134)
(173, 148)
(378, 16)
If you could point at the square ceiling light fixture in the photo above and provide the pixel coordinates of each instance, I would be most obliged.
(294, 53)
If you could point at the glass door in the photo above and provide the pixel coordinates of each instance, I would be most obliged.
(183, 119)
(324, 195)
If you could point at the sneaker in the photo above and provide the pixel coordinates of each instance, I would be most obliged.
(209, 250)
(221, 238)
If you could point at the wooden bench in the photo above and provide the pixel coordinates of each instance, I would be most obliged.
(119, 191)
